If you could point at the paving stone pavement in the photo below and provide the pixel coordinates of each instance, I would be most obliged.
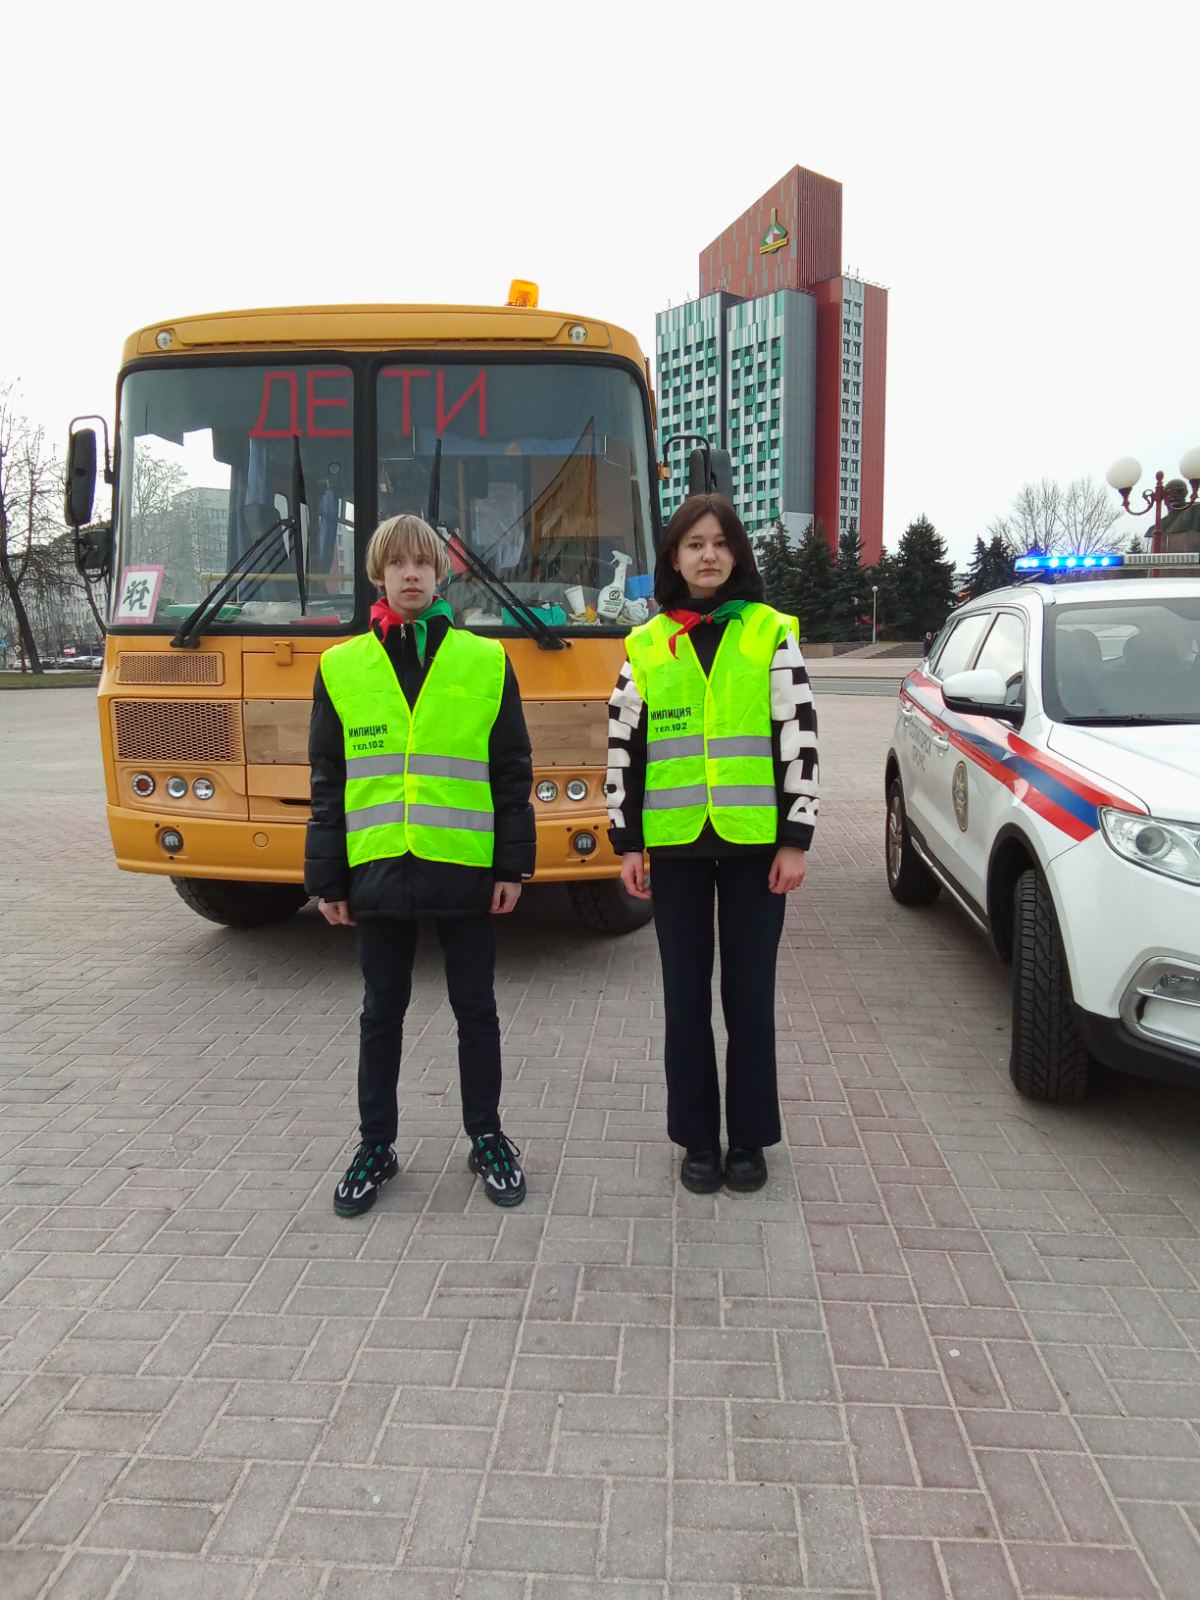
(951, 1350)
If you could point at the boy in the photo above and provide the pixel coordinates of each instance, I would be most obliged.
(421, 772)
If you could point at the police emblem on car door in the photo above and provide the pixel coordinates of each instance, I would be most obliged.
(959, 794)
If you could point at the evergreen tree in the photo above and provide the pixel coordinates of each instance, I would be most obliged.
(776, 556)
(976, 576)
(882, 577)
(991, 567)
(924, 579)
(1000, 563)
(1135, 547)
(846, 605)
(814, 585)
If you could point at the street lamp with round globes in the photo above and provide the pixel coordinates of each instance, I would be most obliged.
(1124, 474)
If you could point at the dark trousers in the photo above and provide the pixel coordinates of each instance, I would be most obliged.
(749, 925)
(386, 947)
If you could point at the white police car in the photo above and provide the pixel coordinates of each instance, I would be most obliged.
(1045, 771)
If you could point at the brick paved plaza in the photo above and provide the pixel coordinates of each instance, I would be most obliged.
(951, 1350)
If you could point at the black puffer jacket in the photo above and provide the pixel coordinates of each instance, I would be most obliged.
(406, 886)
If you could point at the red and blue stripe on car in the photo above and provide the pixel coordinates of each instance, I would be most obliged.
(1056, 791)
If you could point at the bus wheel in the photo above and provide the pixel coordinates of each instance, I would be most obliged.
(240, 905)
(606, 907)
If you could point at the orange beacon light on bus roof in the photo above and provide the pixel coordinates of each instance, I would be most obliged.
(523, 293)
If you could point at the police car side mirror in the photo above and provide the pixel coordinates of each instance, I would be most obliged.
(981, 692)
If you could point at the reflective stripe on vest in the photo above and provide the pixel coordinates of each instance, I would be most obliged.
(708, 740)
(418, 780)
(430, 766)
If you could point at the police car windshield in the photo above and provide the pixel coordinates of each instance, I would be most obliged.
(1124, 661)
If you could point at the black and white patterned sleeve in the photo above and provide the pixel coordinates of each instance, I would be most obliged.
(625, 783)
(794, 738)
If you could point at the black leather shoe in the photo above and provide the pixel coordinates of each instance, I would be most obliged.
(701, 1171)
(745, 1169)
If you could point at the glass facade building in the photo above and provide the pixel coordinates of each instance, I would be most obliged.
(782, 360)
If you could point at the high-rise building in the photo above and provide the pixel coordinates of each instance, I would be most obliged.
(783, 360)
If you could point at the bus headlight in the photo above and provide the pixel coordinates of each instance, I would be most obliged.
(577, 789)
(547, 791)
(1172, 848)
(176, 788)
(203, 789)
(142, 785)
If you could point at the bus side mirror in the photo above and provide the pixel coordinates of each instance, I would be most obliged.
(93, 550)
(720, 469)
(81, 477)
(710, 472)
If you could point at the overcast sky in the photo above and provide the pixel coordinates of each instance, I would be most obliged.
(1021, 178)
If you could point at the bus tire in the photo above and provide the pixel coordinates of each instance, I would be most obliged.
(1049, 1061)
(240, 905)
(606, 906)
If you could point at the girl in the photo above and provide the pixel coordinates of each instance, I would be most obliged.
(713, 769)
(421, 771)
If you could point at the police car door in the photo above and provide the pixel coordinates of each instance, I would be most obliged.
(928, 766)
(979, 802)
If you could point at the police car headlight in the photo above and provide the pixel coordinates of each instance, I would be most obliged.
(1172, 848)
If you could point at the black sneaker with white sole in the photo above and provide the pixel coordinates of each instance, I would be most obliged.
(371, 1168)
(494, 1159)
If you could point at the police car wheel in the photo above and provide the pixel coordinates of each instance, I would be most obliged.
(1048, 1061)
(909, 879)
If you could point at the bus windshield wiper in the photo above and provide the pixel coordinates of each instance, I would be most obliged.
(194, 624)
(527, 618)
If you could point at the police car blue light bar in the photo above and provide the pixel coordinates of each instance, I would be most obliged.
(1080, 563)
(1065, 563)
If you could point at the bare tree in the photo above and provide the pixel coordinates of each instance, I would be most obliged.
(155, 485)
(31, 482)
(1054, 519)
(59, 600)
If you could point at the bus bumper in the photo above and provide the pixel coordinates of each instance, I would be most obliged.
(273, 852)
(250, 852)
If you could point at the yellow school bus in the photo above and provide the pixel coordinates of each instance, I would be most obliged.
(255, 452)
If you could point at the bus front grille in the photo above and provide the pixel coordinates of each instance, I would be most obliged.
(177, 730)
(170, 666)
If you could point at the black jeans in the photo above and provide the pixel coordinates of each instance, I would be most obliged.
(386, 947)
(749, 925)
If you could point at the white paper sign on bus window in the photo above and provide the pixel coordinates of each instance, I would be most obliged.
(138, 594)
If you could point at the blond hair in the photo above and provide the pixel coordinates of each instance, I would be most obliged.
(405, 535)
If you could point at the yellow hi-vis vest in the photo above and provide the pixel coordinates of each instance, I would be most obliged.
(418, 780)
(708, 739)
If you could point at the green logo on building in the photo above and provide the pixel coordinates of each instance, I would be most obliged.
(775, 237)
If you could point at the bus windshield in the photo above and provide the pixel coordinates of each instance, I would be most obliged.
(543, 475)
(211, 459)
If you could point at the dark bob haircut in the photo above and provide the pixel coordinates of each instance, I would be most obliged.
(744, 582)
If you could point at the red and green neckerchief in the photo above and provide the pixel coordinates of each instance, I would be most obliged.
(688, 620)
(383, 614)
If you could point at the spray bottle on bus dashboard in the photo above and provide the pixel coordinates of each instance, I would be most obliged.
(611, 599)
